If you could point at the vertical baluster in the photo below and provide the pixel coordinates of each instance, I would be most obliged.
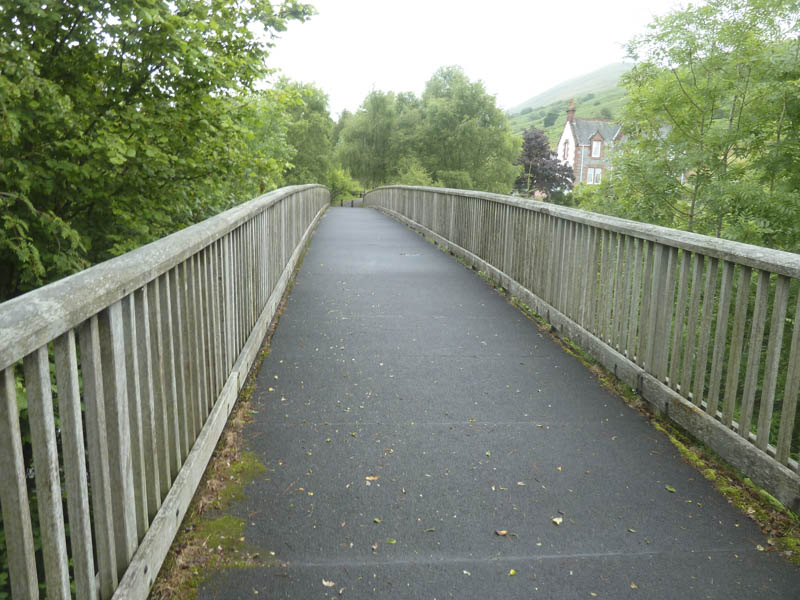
(628, 294)
(719, 338)
(691, 328)
(647, 293)
(14, 495)
(737, 341)
(772, 362)
(655, 287)
(162, 432)
(705, 332)
(69, 409)
(619, 290)
(635, 299)
(97, 443)
(48, 479)
(115, 391)
(199, 359)
(665, 305)
(609, 273)
(149, 443)
(217, 305)
(590, 290)
(588, 241)
(680, 315)
(562, 277)
(177, 284)
(131, 334)
(754, 354)
(577, 260)
(189, 342)
(791, 390)
(168, 364)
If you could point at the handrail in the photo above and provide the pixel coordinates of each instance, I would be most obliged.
(695, 323)
(155, 344)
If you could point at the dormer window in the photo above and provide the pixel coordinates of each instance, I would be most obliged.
(597, 146)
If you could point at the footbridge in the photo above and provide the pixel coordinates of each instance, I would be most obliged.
(422, 436)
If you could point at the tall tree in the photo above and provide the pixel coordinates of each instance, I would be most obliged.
(710, 121)
(466, 140)
(122, 121)
(542, 171)
(366, 147)
(309, 133)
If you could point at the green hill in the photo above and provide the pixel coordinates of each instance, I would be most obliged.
(596, 94)
(602, 79)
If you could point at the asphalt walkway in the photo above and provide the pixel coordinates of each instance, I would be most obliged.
(407, 413)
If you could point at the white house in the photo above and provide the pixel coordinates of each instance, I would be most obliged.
(585, 144)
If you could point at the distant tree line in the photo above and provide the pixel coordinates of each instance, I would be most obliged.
(453, 136)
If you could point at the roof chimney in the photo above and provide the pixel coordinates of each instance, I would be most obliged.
(571, 111)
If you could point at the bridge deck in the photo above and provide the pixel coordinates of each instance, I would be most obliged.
(424, 412)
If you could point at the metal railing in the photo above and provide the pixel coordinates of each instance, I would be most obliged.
(706, 329)
(128, 372)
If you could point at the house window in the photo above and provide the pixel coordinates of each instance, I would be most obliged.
(566, 150)
(594, 175)
(596, 146)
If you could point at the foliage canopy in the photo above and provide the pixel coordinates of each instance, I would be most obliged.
(123, 121)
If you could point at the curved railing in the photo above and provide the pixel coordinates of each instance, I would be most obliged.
(706, 329)
(155, 345)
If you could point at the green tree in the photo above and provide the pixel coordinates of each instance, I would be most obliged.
(712, 122)
(123, 121)
(309, 133)
(366, 148)
(466, 140)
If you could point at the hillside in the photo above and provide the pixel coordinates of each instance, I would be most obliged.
(599, 80)
(547, 111)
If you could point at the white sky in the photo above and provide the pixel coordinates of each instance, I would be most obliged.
(517, 48)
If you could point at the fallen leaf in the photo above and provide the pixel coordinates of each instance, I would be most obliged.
(374, 547)
(670, 489)
(372, 477)
(501, 532)
(512, 572)
(467, 573)
(327, 583)
(391, 541)
(634, 586)
(631, 530)
(558, 520)
(377, 520)
(488, 453)
(558, 468)
(520, 483)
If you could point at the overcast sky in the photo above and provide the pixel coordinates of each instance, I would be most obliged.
(518, 48)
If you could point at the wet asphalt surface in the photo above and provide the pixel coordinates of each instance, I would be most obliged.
(407, 412)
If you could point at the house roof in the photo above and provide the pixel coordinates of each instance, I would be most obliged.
(584, 129)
